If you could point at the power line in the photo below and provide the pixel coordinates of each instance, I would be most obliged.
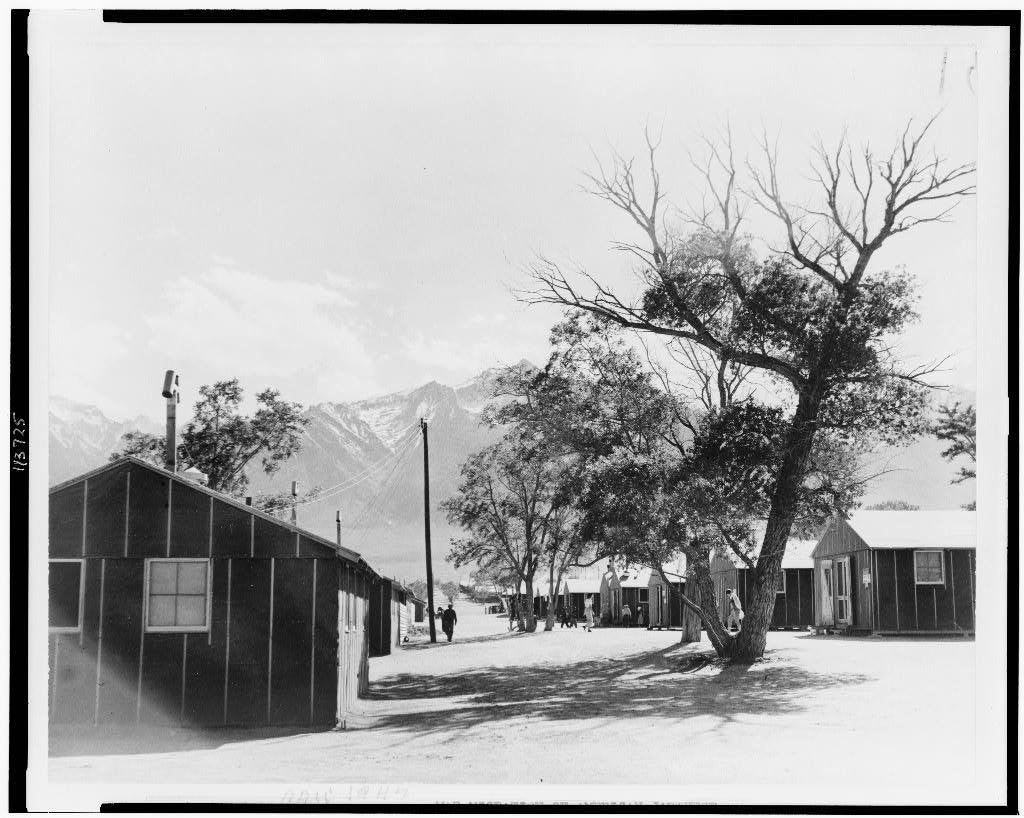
(361, 477)
(369, 468)
(384, 493)
(383, 496)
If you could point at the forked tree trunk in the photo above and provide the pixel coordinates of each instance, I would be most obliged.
(707, 607)
(750, 642)
(704, 606)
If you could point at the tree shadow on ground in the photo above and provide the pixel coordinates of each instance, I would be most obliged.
(650, 684)
(132, 739)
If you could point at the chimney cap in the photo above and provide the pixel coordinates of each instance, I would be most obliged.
(170, 384)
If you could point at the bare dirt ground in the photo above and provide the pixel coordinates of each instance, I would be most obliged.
(614, 714)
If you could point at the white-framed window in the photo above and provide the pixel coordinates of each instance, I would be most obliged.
(67, 595)
(929, 567)
(780, 582)
(178, 595)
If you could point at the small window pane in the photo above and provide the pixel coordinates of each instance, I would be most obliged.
(161, 611)
(928, 566)
(192, 578)
(178, 594)
(191, 611)
(780, 583)
(65, 592)
(162, 577)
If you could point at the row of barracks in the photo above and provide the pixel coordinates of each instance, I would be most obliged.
(875, 572)
(170, 603)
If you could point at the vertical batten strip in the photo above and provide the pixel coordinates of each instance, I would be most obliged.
(54, 675)
(935, 607)
(209, 629)
(296, 543)
(252, 535)
(127, 507)
(142, 643)
(799, 593)
(184, 676)
(876, 613)
(896, 588)
(85, 513)
(227, 647)
(81, 576)
(913, 565)
(952, 588)
(270, 647)
(99, 645)
(312, 648)
(970, 584)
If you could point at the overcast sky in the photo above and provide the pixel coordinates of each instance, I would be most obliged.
(343, 211)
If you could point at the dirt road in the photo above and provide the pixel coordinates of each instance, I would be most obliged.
(612, 715)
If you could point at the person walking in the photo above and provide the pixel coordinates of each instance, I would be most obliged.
(448, 620)
(627, 616)
(588, 611)
(735, 610)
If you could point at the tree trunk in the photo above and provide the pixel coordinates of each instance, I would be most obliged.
(549, 621)
(531, 617)
(721, 640)
(750, 642)
(703, 605)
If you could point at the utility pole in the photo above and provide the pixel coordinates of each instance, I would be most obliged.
(295, 494)
(337, 522)
(426, 529)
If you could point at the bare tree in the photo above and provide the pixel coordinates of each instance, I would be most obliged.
(812, 315)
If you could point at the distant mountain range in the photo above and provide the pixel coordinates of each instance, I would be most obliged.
(367, 455)
(82, 437)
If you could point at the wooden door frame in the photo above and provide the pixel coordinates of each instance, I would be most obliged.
(843, 564)
(830, 565)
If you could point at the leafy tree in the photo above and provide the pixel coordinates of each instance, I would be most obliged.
(280, 503)
(221, 442)
(958, 427)
(450, 590)
(893, 505)
(815, 319)
(666, 470)
(510, 501)
(144, 446)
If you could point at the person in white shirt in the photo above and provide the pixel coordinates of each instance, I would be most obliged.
(735, 610)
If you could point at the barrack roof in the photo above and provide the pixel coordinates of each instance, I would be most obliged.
(341, 551)
(953, 528)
